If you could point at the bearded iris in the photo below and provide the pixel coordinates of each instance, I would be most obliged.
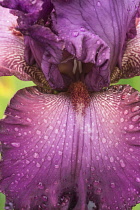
(71, 141)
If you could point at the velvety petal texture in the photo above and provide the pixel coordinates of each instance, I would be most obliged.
(55, 157)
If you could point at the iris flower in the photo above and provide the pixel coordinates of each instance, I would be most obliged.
(72, 141)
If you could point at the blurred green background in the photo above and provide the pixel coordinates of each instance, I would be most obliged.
(10, 85)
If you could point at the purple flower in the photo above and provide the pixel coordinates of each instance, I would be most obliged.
(71, 142)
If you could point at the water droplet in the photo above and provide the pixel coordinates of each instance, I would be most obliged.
(97, 158)
(131, 126)
(45, 137)
(75, 33)
(50, 127)
(44, 198)
(96, 183)
(135, 118)
(45, 121)
(92, 169)
(56, 166)
(29, 120)
(111, 131)
(111, 159)
(60, 152)
(137, 179)
(49, 158)
(33, 1)
(103, 120)
(135, 108)
(122, 120)
(16, 182)
(125, 112)
(40, 186)
(82, 29)
(98, 191)
(103, 140)
(131, 150)
(98, 4)
(56, 131)
(38, 165)
(15, 144)
(98, 42)
(16, 129)
(112, 185)
(38, 132)
(122, 163)
(36, 155)
(27, 161)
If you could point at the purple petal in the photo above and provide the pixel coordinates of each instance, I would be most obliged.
(12, 47)
(131, 60)
(95, 32)
(29, 11)
(54, 157)
(46, 48)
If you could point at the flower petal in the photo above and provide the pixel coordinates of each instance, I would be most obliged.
(95, 32)
(131, 60)
(54, 157)
(12, 48)
(29, 11)
(46, 48)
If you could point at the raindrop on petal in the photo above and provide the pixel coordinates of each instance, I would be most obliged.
(126, 112)
(16, 129)
(135, 118)
(38, 165)
(56, 166)
(40, 185)
(82, 29)
(131, 126)
(138, 179)
(112, 185)
(103, 140)
(15, 144)
(98, 4)
(75, 33)
(135, 108)
(36, 155)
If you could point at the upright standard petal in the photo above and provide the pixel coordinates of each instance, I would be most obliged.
(56, 157)
(95, 32)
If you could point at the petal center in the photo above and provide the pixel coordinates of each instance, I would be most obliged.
(79, 96)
